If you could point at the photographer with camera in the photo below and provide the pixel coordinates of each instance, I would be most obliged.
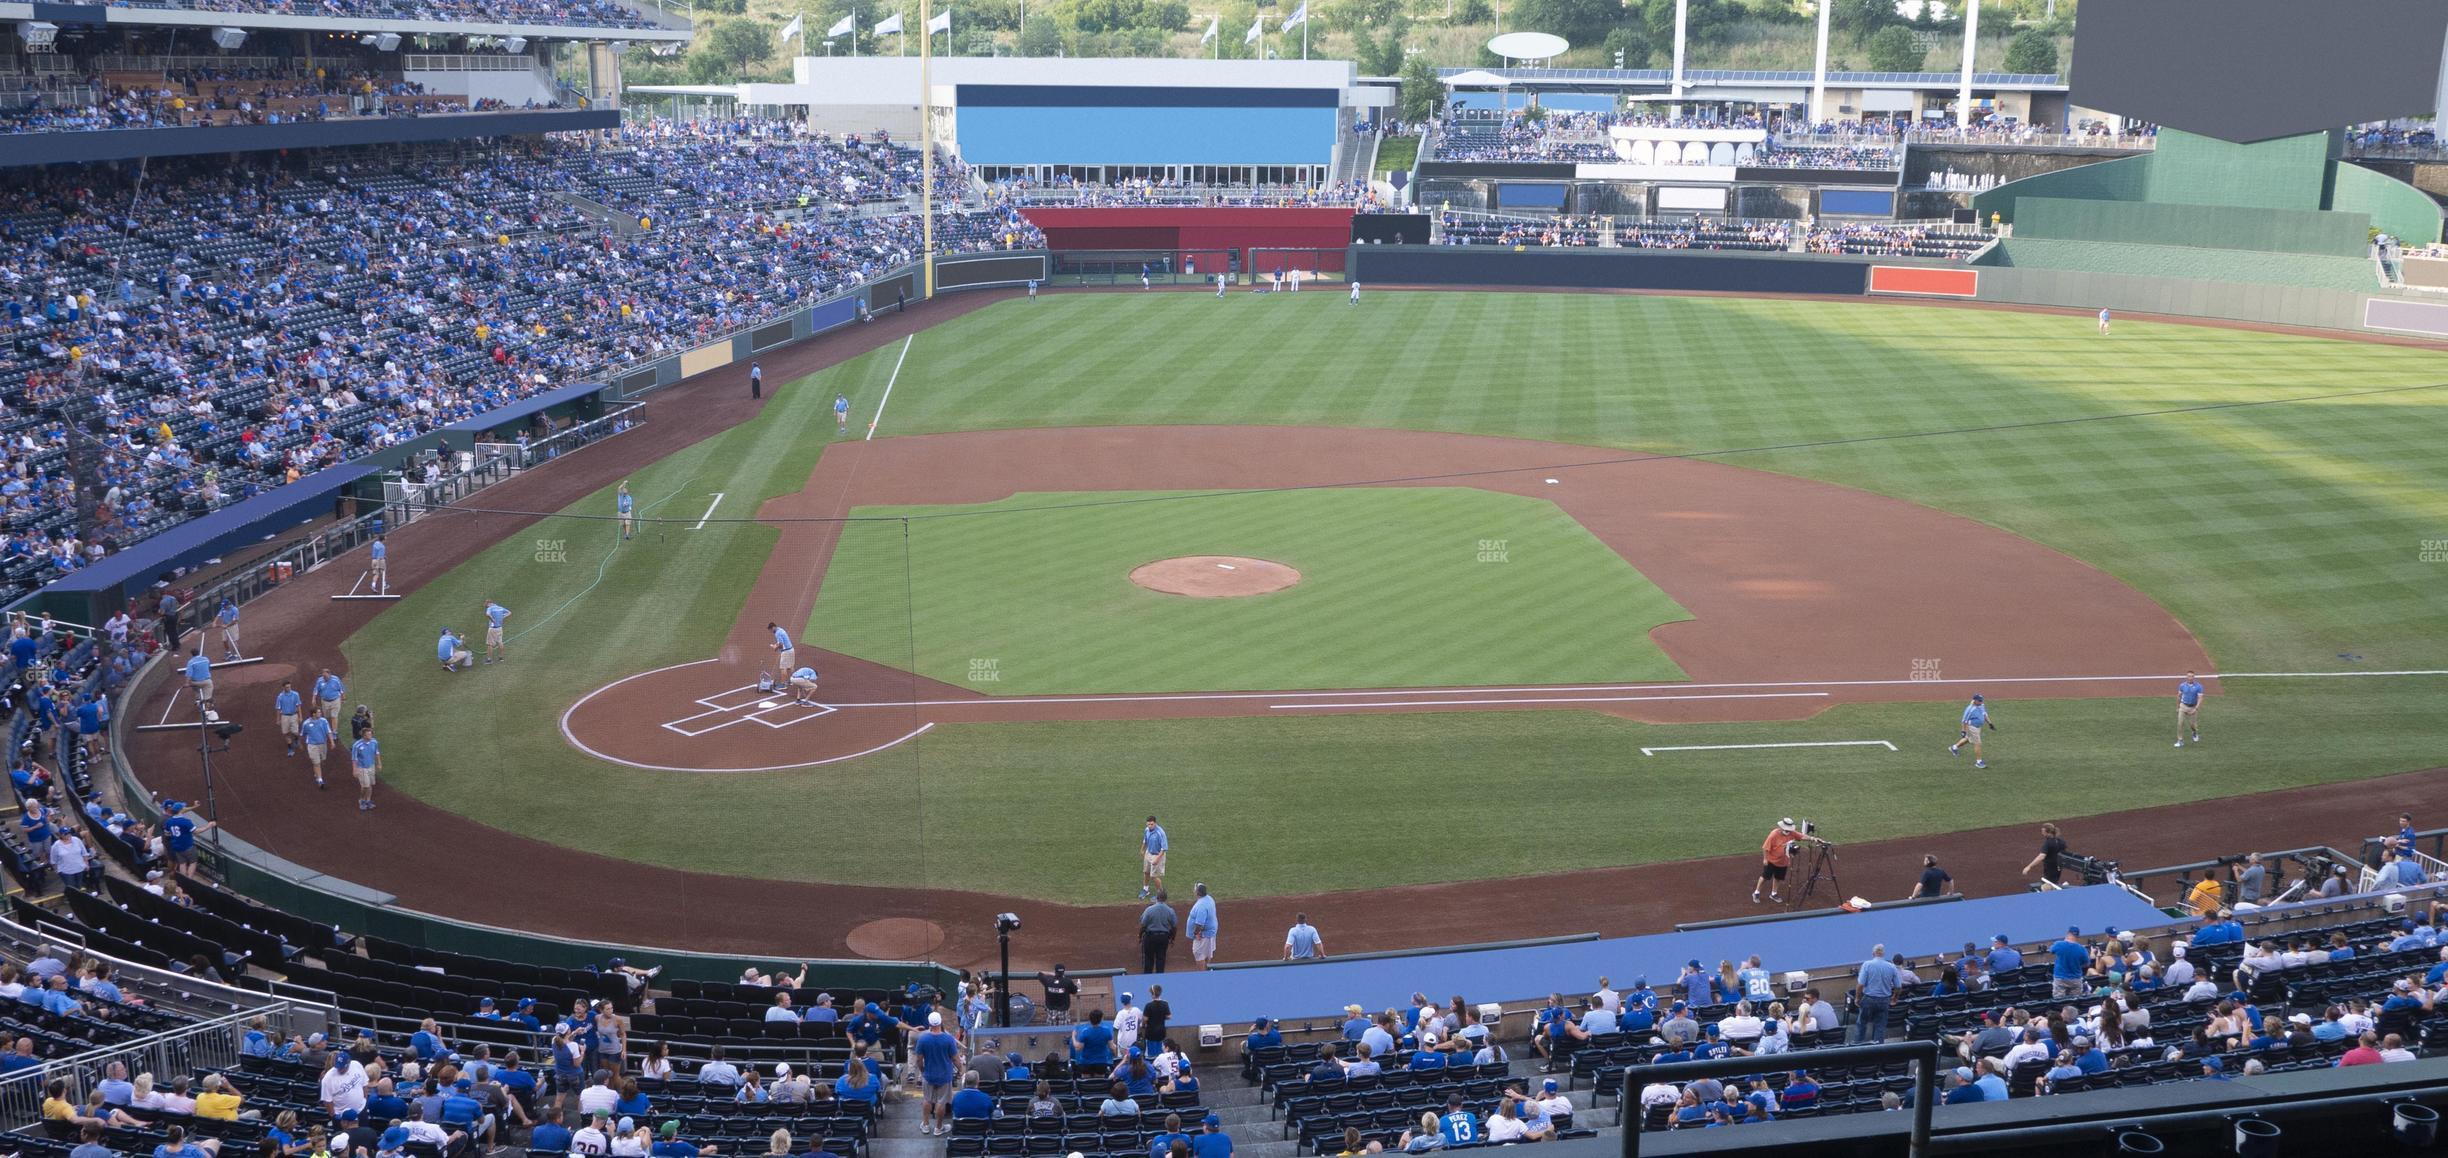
(1776, 859)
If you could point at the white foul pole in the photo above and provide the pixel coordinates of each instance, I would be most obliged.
(1818, 105)
(1682, 10)
(1963, 102)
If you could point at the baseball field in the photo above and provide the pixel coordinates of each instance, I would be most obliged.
(1535, 535)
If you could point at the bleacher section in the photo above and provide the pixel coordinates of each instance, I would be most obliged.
(238, 326)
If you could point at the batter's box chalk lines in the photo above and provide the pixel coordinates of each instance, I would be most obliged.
(1791, 744)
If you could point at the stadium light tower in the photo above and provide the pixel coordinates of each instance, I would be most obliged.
(1963, 99)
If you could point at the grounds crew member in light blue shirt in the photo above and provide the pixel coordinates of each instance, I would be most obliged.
(784, 654)
(495, 613)
(286, 704)
(624, 505)
(381, 556)
(1152, 848)
(452, 650)
(228, 619)
(328, 692)
(1202, 926)
(1975, 719)
(1301, 942)
(199, 676)
(365, 759)
(2188, 709)
(803, 685)
(317, 733)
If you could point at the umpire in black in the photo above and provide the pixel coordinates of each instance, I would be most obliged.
(1157, 926)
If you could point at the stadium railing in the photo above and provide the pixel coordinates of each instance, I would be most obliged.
(210, 1044)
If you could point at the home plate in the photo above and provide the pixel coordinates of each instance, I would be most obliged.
(770, 704)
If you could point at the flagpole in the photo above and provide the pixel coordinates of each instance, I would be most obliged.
(1304, 31)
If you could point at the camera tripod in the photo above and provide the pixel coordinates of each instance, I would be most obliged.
(1822, 857)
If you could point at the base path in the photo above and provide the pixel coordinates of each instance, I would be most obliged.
(1804, 594)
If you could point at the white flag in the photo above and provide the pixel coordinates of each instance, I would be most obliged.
(1298, 17)
(889, 24)
(1257, 29)
(796, 27)
(941, 23)
(842, 27)
(1212, 23)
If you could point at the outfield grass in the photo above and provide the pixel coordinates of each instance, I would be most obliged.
(1395, 591)
(2286, 536)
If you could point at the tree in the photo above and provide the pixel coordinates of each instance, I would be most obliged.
(1041, 37)
(733, 47)
(1863, 17)
(1420, 89)
(1629, 40)
(2032, 51)
(1704, 21)
(1895, 49)
(1579, 21)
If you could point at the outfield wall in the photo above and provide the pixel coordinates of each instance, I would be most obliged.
(2290, 305)
(1644, 269)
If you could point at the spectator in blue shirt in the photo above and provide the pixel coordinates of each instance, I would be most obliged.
(1212, 1141)
(972, 1102)
(2070, 958)
(550, 1135)
(1262, 1036)
(1092, 1042)
(1875, 985)
(858, 1083)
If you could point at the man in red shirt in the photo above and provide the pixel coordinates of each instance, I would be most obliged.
(1776, 856)
(2365, 1053)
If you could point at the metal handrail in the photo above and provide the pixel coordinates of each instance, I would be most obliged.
(209, 1044)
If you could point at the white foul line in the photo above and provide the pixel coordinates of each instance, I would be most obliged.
(701, 519)
(1795, 744)
(1094, 697)
(888, 386)
(1543, 700)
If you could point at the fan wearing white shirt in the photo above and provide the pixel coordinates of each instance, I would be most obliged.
(1505, 1126)
(1660, 1094)
(1607, 998)
(1742, 1028)
(2033, 1048)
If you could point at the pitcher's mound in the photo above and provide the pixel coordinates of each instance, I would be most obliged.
(1214, 576)
(896, 939)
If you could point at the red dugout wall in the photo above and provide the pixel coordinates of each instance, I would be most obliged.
(1189, 227)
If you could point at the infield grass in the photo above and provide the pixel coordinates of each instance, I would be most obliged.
(1399, 587)
(2289, 534)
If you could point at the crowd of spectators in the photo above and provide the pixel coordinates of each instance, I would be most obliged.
(218, 329)
(1875, 238)
(57, 102)
(564, 13)
(1158, 191)
(1895, 239)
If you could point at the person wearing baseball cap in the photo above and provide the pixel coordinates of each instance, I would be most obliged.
(1776, 859)
(938, 1055)
(668, 1144)
(1975, 721)
(1211, 1141)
